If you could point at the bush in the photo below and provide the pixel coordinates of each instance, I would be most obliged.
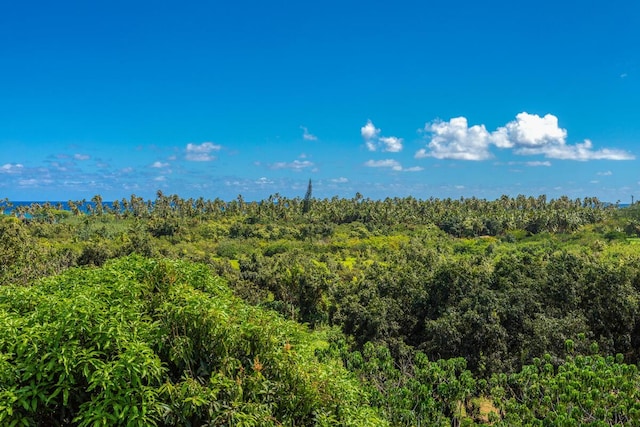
(142, 342)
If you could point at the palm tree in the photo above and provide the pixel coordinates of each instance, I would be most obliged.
(97, 200)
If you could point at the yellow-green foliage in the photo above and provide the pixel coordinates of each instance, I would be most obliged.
(144, 342)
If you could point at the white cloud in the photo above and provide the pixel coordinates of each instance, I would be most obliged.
(160, 178)
(580, 152)
(391, 164)
(413, 169)
(11, 168)
(35, 182)
(391, 144)
(388, 163)
(263, 181)
(59, 167)
(373, 140)
(606, 173)
(531, 134)
(456, 140)
(369, 131)
(306, 135)
(81, 156)
(371, 145)
(202, 152)
(340, 180)
(528, 134)
(530, 131)
(296, 165)
(159, 165)
(536, 163)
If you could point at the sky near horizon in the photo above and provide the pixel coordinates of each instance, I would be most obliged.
(216, 99)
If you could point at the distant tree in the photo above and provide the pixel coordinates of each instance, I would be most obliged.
(14, 246)
(306, 203)
(6, 204)
(97, 201)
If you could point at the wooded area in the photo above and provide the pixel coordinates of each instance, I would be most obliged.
(301, 311)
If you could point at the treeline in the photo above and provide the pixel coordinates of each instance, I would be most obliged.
(464, 217)
(447, 309)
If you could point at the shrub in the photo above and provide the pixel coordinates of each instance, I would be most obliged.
(143, 342)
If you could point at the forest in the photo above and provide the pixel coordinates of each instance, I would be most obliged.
(519, 311)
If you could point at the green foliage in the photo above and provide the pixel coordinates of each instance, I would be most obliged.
(585, 390)
(428, 292)
(301, 285)
(419, 391)
(306, 202)
(14, 250)
(23, 257)
(142, 342)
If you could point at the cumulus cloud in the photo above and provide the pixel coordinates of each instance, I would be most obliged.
(528, 134)
(374, 141)
(340, 180)
(606, 173)
(296, 165)
(79, 156)
(531, 134)
(306, 135)
(391, 143)
(391, 164)
(202, 152)
(369, 131)
(530, 131)
(159, 165)
(456, 140)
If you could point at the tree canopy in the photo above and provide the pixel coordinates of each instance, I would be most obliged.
(398, 311)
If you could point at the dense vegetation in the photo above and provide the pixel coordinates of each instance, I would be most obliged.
(418, 312)
(141, 342)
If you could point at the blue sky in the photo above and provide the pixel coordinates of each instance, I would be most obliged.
(400, 98)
